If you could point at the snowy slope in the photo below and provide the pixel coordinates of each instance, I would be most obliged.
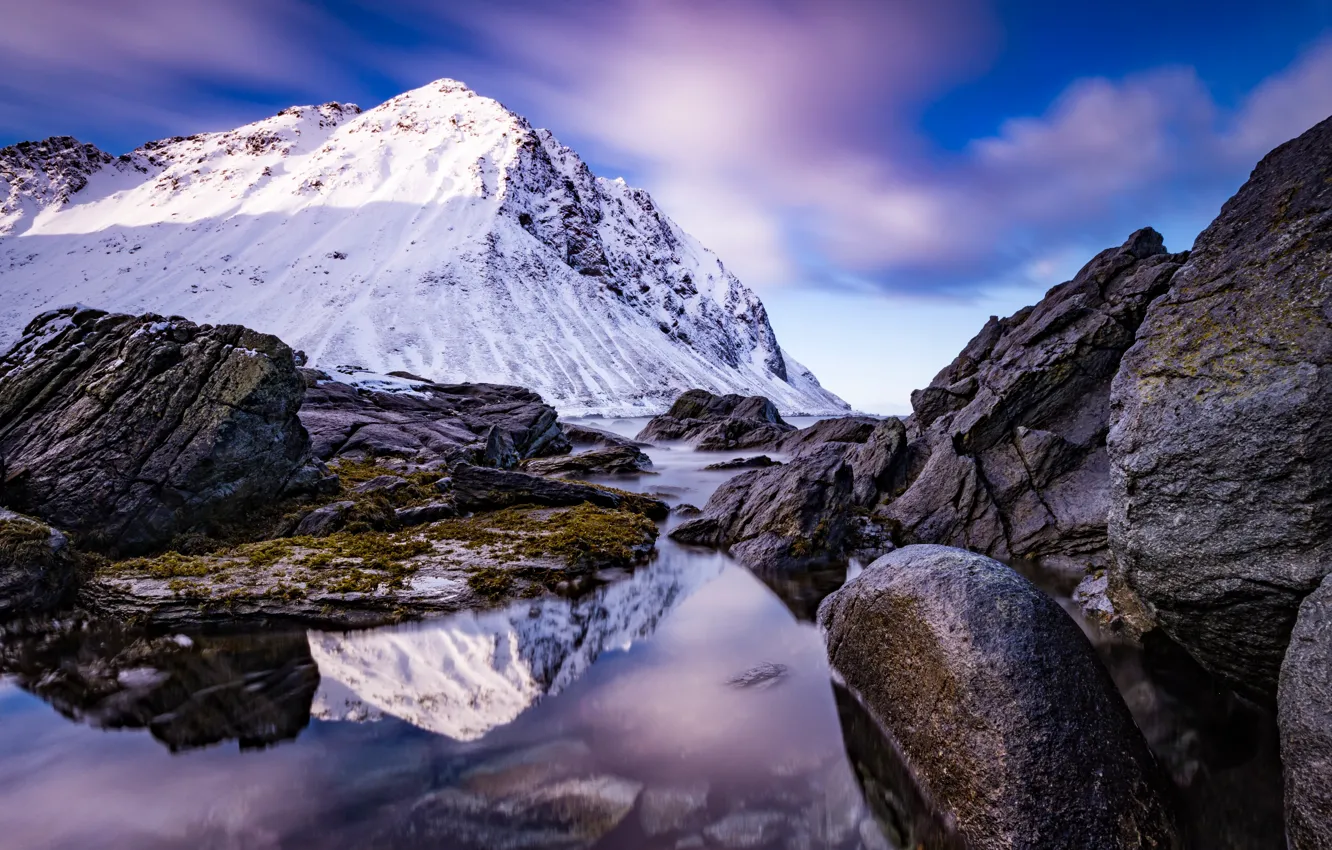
(437, 233)
(476, 671)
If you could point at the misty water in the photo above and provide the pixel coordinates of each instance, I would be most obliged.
(687, 704)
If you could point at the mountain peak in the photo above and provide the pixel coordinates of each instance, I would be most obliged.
(437, 233)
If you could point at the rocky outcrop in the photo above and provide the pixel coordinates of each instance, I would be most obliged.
(838, 429)
(1305, 717)
(38, 567)
(1008, 451)
(1221, 514)
(481, 488)
(615, 460)
(586, 435)
(424, 422)
(800, 513)
(998, 701)
(716, 423)
(129, 430)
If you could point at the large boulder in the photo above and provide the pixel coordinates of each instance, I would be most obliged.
(38, 567)
(1008, 450)
(613, 460)
(414, 419)
(127, 430)
(479, 488)
(800, 513)
(1221, 437)
(716, 423)
(997, 699)
(1305, 717)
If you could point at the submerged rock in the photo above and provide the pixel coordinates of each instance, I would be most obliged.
(756, 462)
(996, 698)
(129, 430)
(669, 808)
(38, 567)
(759, 677)
(616, 460)
(1305, 717)
(716, 423)
(1221, 515)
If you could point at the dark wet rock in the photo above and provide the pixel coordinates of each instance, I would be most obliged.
(664, 809)
(746, 829)
(756, 462)
(128, 430)
(420, 514)
(1221, 515)
(686, 509)
(617, 460)
(839, 429)
(188, 692)
(759, 677)
(482, 488)
(1305, 715)
(717, 423)
(586, 435)
(801, 513)
(324, 521)
(38, 568)
(487, 424)
(1008, 442)
(996, 697)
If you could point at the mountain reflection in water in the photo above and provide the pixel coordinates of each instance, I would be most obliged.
(610, 720)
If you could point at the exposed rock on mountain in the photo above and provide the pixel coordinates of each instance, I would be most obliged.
(1305, 699)
(438, 233)
(128, 430)
(38, 567)
(716, 423)
(1008, 455)
(1221, 514)
(400, 416)
(998, 701)
(802, 512)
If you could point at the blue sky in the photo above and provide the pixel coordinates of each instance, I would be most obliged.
(885, 174)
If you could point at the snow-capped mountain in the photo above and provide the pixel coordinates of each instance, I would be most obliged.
(438, 233)
(475, 671)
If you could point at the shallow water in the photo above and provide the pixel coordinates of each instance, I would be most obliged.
(228, 741)
(692, 690)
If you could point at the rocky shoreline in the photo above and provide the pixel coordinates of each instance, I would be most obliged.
(1155, 430)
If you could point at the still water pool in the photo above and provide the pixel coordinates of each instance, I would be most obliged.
(685, 705)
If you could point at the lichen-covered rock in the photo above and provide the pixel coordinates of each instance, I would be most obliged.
(487, 424)
(38, 567)
(1222, 439)
(998, 701)
(799, 514)
(1008, 451)
(1305, 717)
(716, 423)
(128, 430)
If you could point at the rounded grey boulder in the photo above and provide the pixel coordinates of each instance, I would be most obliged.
(998, 702)
(1220, 440)
(1305, 717)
